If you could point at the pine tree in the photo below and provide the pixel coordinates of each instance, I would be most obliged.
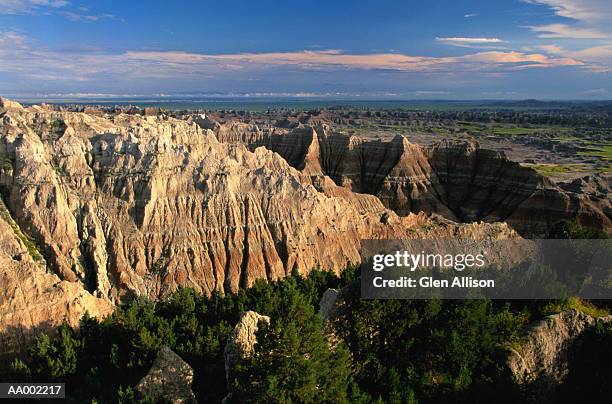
(293, 361)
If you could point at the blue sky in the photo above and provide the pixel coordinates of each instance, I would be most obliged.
(553, 49)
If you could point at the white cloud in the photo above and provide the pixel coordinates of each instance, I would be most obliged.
(474, 43)
(469, 40)
(24, 62)
(580, 10)
(336, 60)
(568, 31)
(599, 58)
(552, 49)
(470, 15)
(13, 40)
(591, 19)
(59, 7)
(72, 16)
(595, 53)
(28, 6)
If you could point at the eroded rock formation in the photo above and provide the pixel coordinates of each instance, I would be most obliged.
(128, 204)
(241, 343)
(327, 305)
(168, 380)
(456, 179)
(32, 299)
(545, 350)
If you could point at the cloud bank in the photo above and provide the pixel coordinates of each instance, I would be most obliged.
(589, 21)
(28, 6)
(19, 58)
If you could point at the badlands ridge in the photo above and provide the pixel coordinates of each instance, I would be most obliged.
(98, 207)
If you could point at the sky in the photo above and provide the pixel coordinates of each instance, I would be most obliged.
(365, 49)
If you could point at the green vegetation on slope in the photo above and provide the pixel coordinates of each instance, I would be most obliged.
(574, 303)
(603, 151)
(568, 229)
(27, 241)
(388, 351)
(103, 360)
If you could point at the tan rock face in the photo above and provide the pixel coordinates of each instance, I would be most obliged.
(457, 180)
(32, 299)
(241, 343)
(169, 379)
(544, 351)
(130, 204)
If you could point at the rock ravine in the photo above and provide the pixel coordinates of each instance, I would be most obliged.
(456, 179)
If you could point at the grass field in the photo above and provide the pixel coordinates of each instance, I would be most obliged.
(604, 152)
(552, 170)
(503, 130)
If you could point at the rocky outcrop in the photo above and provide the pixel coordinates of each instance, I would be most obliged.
(169, 379)
(327, 305)
(456, 179)
(545, 351)
(483, 185)
(591, 197)
(7, 105)
(242, 340)
(130, 204)
(240, 132)
(241, 343)
(33, 300)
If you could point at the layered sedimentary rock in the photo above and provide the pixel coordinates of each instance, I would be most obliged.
(241, 344)
(547, 346)
(591, 195)
(456, 179)
(128, 204)
(168, 380)
(483, 185)
(33, 300)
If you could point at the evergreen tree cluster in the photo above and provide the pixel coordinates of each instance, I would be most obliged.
(385, 351)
